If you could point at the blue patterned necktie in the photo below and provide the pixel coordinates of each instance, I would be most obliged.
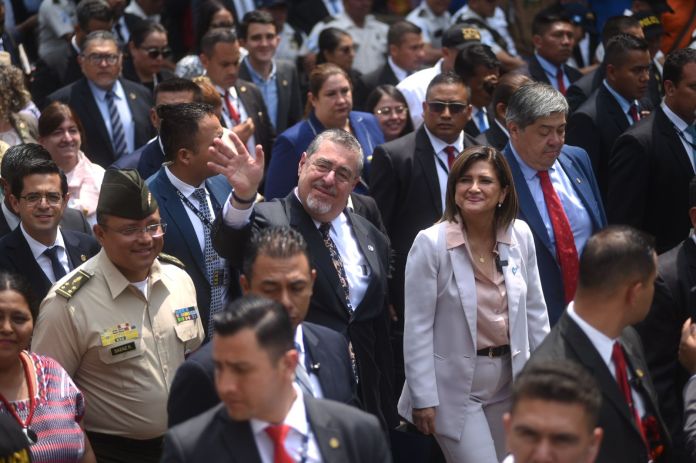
(118, 135)
(301, 375)
(481, 120)
(213, 262)
(691, 130)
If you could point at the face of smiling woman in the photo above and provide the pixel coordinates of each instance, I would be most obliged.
(16, 326)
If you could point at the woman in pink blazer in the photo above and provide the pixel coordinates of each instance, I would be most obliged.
(474, 311)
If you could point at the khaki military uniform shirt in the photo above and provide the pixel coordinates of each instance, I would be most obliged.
(121, 349)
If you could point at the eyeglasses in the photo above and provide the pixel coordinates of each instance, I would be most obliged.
(155, 230)
(455, 107)
(387, 110)
(343, 174)
(97, 58)
(52, 199)
(154, 52)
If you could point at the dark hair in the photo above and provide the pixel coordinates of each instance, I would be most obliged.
(392, 92)
(254, 17)
(143, 29)
(508, 84)
(544, 19)
(99, 36)
(10, 281)
(16, 157)
(618, 25)
(274, 242)
(561, 381)
(446, 78)
(88, 10)
(620, 45)
(399, 29)
(329, 39)
(267, 318)
(206, 10)
(321, 73)
(506, 213)
(175, 85)
(53, 115)
(615, 255)
(215, 36)
(675, 62)
(472, 56)
(179, 124)
(36, 164)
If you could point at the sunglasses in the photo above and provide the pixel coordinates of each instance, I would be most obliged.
(154, 52)
(387, 111)
(454, 106)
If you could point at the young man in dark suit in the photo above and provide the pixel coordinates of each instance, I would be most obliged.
(617, 275)
(263, 412)
(39, 249)
(114, 111)
(278, 267)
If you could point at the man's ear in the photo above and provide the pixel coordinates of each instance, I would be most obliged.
(14, 203)
(245, 284)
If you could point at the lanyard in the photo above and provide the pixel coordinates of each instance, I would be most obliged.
(28, 432)
(442, 164)
(195, 210)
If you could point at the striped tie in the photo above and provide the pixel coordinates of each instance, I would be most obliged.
(118, 135)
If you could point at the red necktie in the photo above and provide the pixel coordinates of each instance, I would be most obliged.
(451, 156)
(565, 242)
(560, 81)
(633, 112)
(617, 355)
(234, 115)
(277, 434)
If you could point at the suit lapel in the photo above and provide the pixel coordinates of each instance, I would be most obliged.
(20, 253)
(328, 436)
(72, 249)
(464, 277)
(367, 247)
(582, 188)
(675, 146)
(426, 157)
(4, 227)
(616, 115)
(513, 278)
(85, 94)
(283, 85)
(238, 439)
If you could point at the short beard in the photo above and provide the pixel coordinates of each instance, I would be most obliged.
(317, 206)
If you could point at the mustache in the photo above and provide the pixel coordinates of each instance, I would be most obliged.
(321, 184)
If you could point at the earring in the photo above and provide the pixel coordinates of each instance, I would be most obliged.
(500, 205)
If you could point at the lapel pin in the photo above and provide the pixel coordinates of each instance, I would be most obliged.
(333, 443)
(370, 247)
(514, 270)
(260, 113)
(83, 258)
(579, 180)
(242, 88)
(639, 372)
(132, 96)
(285, 83)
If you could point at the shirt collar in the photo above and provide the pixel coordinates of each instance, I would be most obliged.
(232, 90)
(400, 73)
(10, 217)
(439, 145)
(115, 280)
(527, 171)
(38, 248)
(185, 189)
(296, 417)
(73, 42)
(623, 102)
(255, 75)
(455, 235)
(299, 338)
(676, 120)
(548, 67)
(100, 93)
(600, 341)
(336, 222)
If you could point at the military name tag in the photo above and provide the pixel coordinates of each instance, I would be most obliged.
(185, 314)
(123, 349)
(119, 333)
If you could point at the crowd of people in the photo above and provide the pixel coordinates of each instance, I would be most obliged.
(347, 230)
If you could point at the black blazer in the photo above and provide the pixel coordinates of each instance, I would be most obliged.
(97, 145)
(72, 220)
(622, 440)
(537, 73)
(150, 160)
(16, 256)
(582, 88)
(595, 126)
(494, 137)
(256, 109)
(290, 110)
(367, 328)
(193, 388)
(405, 185)
(648, 181)
(343, 435)
(660, 332)
(366, 83)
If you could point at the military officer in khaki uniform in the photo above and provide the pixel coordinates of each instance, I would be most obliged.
(121, 324)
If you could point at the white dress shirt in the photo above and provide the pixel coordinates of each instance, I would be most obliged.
(241, 110)
(11, 219)
(441, 166)
(623, 103)
(551, 69)
(301, 359)
(400, 73)
(124, 112)
(681, 126)
(37, 250)
(604, 347)
(413, 88)
(300, 431)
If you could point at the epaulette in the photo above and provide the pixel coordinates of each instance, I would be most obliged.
(170, 260)
(73, 285)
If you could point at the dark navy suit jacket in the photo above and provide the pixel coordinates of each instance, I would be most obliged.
(193, 389)
(180, 240)
(577, 166)
(281, 176)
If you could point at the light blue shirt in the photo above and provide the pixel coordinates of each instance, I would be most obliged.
(124, 111)
(551, 69)
(623, 102)
(269, 89)
(579, 218)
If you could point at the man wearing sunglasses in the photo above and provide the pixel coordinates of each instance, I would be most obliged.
(113, 110)
(39, 249)
(122, 323)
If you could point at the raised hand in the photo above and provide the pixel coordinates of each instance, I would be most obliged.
(231, 158)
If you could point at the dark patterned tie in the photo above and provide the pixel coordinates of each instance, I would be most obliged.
(337, 261)
(213, 264)
(118, 135)
(58, 269)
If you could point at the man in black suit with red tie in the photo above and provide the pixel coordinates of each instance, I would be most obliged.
(616, 277)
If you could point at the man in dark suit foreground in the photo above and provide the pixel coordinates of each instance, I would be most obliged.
(350, 255)
(687, 357)
(617, 273)
(277, 266)
(38, 249)
(264, 416)
(497, 136)
(556, 403)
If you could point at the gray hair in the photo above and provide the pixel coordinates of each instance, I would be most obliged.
(99, 36)
(341, 138)
(533, 101)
